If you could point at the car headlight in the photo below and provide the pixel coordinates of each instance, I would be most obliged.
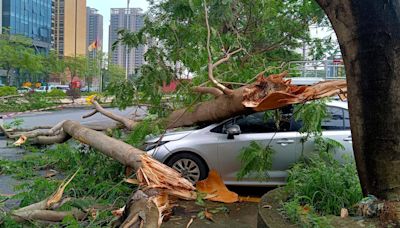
(151, 146)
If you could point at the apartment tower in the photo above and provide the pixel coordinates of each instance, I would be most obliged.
(69, 27)
(132, 20)
(94, 29)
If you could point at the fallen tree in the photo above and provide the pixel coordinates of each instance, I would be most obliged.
(266, 93)
(158, 180)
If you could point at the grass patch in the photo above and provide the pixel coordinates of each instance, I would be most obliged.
(321, 186)
(28, 102)
(99, 181)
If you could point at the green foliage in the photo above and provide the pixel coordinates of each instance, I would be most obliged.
(15, 123)
(98, 182)
(113, 73)
(70, 222)
(321, 186)
(29, 102)
(124, 92)
(8, 90)
(16, 53)
(325, 184)
(311, 115)
(268, 31)
(255, 159)
(78, 66)
(56, 93)
(144, 128)
(36, 190)
(305, 216)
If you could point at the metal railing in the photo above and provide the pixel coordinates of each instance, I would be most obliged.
(325, 69)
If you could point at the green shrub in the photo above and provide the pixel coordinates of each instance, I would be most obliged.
(56, 93)
(144, 128)
(325, 184)
(255, 159)
(8, 90)
(91, 93)
(304, 215)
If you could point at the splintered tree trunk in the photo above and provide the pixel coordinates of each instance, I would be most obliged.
(369, 35)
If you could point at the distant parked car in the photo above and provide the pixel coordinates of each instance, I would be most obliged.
(63, 88)
(217, 146)
(44, 89)
(25, 89)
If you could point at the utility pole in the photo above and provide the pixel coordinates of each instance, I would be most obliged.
(126, 46)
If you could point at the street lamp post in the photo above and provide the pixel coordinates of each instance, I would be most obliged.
(126, 46)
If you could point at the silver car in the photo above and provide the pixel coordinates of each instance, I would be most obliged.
(194, 152)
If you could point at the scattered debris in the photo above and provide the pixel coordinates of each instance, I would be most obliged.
(50, 173)
(214, 185)
(189, 223)
(208, 215)
(344, 213)
(131, 181)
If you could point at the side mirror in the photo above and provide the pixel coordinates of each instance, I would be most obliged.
(233, 130)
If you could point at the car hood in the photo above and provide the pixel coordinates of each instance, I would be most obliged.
(169, 136)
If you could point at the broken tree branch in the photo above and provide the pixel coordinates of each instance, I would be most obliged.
(211, 66)
(43, 209)
(208, 90)
(128, 123)
(35, 133)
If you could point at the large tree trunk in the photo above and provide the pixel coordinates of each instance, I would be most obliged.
(369, 35)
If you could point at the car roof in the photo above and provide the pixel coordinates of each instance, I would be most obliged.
(338, 103)
(305, 80)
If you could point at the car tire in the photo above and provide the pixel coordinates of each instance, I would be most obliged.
(191, 166)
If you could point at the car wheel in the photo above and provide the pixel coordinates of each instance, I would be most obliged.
(189, 165)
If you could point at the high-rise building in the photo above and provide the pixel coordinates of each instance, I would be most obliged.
(132, 20)
(69, 27)
(1, 15)
(29, 18)
(94, 29)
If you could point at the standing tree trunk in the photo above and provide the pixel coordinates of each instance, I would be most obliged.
(8, 77)
(369, 35)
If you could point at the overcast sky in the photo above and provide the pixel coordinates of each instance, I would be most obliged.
(104, 7)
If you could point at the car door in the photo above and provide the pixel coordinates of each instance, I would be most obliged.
(254, 127)
(337, 127)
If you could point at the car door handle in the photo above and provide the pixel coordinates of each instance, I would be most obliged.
(285, 142)
(348, 139)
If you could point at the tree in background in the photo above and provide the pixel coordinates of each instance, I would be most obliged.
(76, 66)
(16, 53)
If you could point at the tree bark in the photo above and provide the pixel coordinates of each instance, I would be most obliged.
(218, 109)
(369, 35)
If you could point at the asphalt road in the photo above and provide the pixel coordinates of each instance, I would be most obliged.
(51, 118)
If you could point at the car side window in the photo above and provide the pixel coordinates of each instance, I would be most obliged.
(335, 119)
(258, 123)
(346, 120)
